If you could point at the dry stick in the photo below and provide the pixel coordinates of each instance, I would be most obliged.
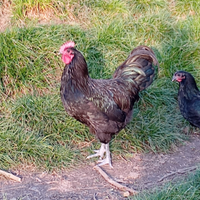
(112, 182)
(9, 175)
(180, 171)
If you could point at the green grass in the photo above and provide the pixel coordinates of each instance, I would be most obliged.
(21, 7)
(186, 189)
(29, 57)
(36, 130)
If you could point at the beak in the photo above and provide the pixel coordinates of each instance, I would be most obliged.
(59, 53)
(173, 78)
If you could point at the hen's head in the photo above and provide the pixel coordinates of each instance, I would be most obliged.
(179, 76)
(66, 50)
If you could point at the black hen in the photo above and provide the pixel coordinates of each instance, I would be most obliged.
(188, 97)
(105, 106)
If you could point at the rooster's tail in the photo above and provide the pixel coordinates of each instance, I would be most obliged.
(138, 68)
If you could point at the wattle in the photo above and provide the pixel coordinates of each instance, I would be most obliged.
(67, 58)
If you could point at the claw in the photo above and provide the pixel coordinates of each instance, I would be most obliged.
(92, 156)
(99, 152)
(104, 162)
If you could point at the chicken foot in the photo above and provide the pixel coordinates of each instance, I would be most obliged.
(107, 160)
(103, 149)
(99, 152)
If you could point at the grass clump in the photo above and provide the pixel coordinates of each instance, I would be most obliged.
(37, 130)
(29, 58)
(32, 8)
(187, 189)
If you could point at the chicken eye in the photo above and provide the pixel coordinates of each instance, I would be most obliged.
(69, 51)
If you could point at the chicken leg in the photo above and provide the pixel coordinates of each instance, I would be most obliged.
(103, 149)
(99, 152)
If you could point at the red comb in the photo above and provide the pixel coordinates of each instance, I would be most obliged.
(67, 44)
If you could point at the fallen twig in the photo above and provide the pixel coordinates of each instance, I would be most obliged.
(9, 175)
(94, 196)
(113, 182)
(180, 171)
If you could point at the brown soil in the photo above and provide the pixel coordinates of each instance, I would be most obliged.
(5, 15)
(140, 172)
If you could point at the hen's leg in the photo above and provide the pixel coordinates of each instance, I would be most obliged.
(107, 160)
(99, 152)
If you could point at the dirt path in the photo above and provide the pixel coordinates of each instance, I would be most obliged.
(139, 172)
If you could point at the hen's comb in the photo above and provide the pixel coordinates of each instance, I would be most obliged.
(67, 44)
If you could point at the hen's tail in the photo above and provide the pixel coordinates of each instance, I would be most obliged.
(137, 68)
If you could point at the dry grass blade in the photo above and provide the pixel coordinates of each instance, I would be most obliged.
(9, 175)
(180, 171)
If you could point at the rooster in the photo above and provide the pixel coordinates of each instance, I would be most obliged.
(105, 106)
(188, 97)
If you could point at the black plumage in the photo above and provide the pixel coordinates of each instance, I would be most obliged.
(188, 97)
(105, 106)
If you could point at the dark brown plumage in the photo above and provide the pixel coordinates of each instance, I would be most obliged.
(188, 97)
(105, 106)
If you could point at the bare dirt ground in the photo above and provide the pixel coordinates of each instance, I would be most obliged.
(5, 15)
(140, 172)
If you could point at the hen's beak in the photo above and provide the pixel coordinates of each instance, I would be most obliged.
(174, 78)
